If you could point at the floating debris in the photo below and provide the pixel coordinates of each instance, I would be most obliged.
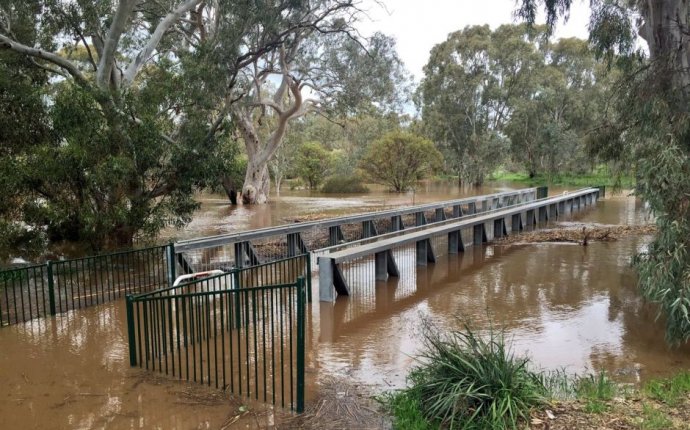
(581, 234)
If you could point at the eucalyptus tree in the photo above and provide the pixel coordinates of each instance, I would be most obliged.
(649, 129)
(467, 94)
(319, 65)
(549, 126)
(132, 135)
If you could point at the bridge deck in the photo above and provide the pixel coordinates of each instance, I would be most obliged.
(330, 276)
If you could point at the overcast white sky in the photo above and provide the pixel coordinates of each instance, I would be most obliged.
(418, 25)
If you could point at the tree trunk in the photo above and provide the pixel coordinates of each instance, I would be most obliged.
(230, 189)
(665, 29)
(257, 183)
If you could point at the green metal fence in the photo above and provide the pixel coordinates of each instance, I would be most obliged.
(60, 286)
(241, 331)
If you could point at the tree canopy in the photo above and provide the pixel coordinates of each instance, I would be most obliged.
(648, 128)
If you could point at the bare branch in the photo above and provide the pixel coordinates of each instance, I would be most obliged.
(70, 67)
(107, 59)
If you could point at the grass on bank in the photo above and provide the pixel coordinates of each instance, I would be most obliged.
(467, 381)
(601, 175)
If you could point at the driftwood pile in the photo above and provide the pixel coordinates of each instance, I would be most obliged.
(579, 234)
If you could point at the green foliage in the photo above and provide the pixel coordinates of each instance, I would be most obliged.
(404, 406)
(399, 160)
(654, 419)
(647, 128)
(344, 184)
(312, 163)
(601, 175)
(595, 390)
(669, 391)
(476, 382)
(471, 81)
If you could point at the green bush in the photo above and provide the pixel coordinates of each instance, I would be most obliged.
(344, 184)
(470, 381)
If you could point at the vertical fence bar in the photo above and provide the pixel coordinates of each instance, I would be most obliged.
(301, 321)
(130, 331)
(51, 288)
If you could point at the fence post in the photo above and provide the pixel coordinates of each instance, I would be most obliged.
(51, 288)
(170, 256)
(130, 330)
(308, 277)
(301, 322)
(238, 306)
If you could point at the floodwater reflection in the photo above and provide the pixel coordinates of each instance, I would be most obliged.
(567, 306)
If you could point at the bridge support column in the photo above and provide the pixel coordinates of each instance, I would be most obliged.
(485, 205)
(244, 252)
(455, 244)
(440, 215)
(543, 214)
(561, 208)
(479, 234)
(369, 229)
(381, 265)
(295, 245)
(425, 253)
(335, 235)
(472, 208)
(457, 211)
(553, 211)
(516, 223)
(385, 265)
(331, 280)
(531, 221)
(419, 219)
(500, 229)
(396, 223)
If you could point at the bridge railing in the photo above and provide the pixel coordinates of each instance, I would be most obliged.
(253, 247)
(60, 286)
(241, 331)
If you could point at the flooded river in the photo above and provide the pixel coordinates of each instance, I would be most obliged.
(567, 306)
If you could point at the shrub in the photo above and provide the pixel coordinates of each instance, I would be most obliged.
(344, 184)
(474, 382)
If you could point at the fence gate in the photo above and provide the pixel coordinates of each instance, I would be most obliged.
(236, 331)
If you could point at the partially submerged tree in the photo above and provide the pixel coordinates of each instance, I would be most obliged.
(320, 66)
(399, 160)
(133, 136)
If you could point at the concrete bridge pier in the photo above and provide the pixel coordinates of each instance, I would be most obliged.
(425, 252)
(479, 234)
(553, 211)
(516, 223)
(335, 235)
(385, 265)
(500, 229)
(396, 223)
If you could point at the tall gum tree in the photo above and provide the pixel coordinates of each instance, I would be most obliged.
(156, 81)
(320, 66)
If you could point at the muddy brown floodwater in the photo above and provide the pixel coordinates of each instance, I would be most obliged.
(567, 306)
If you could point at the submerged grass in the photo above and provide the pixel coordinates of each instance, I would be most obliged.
(468, 381)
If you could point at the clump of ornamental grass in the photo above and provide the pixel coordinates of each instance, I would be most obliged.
(470, 381)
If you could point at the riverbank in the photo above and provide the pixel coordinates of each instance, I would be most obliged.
(599, 176)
